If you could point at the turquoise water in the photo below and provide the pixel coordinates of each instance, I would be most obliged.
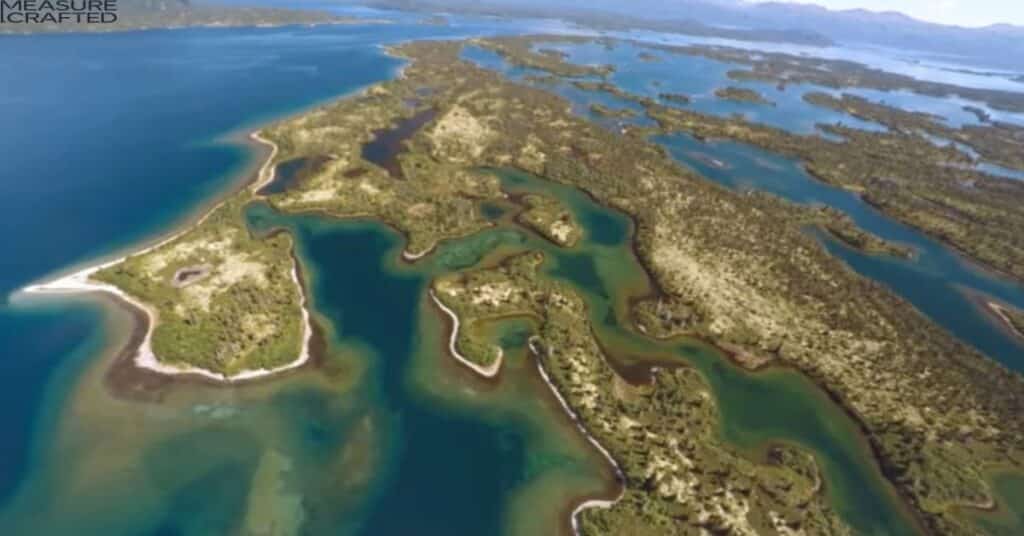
(758, 409)
(136, 145)
(360, 445)
(934, 281)
(386, 437)
(110, 139)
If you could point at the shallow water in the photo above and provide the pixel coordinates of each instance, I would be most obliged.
(386, 438)
(341, 449)
(1008, 516)
(757, 409)
(147, 129)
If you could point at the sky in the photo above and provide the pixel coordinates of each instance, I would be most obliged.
(958, 12)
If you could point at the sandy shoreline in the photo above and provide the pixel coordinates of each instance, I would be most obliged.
(266, 173)
(619, 475)
(994, 311)
(1001, 311)
(81, 282)
(488, 371)
(412, 257)
(492, 370)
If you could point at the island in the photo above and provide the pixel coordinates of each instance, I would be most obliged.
(601, 110)
(677, 98)
(741, 94)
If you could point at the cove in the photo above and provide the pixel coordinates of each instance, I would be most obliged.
(151, 128)
(386, 435)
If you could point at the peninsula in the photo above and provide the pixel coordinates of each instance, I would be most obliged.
(733, 269)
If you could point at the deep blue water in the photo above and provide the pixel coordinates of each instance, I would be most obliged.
(110, 139)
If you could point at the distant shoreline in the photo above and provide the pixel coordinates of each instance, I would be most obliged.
(9, 30)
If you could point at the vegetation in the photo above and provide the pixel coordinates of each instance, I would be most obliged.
(785, 69)
(550, 219)
(225, 301)
(741, 94)
(428, 200)
(997, 142)
(677, 98)
(520, 51)
(902, 173)
(678, 476)
(611, 89)
(601, 110)
(733, 268)
(750, 278)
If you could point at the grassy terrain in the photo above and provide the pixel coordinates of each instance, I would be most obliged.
(601, 110)
(741, 94)
(998, 143)
(679, 477)
(433, 200)
(734, 268)
(522, 50)
(751, 279)
(239, 311)
(901, 173)
(549, 218)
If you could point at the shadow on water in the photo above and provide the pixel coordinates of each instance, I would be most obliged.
(388, 143)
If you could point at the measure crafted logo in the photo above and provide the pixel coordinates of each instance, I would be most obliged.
(58, 11)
